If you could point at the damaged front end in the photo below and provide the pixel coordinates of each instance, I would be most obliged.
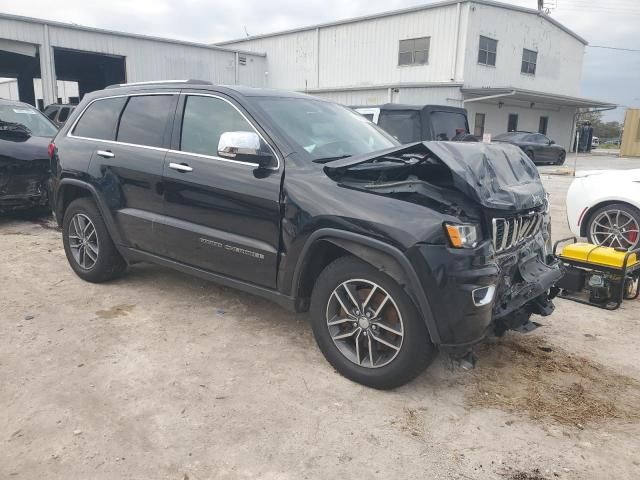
(499, 280)
(23, 184)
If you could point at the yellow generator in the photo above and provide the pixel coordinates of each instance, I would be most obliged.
(596, 275)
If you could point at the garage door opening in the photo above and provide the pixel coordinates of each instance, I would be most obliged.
(21, 64)
(92, 71)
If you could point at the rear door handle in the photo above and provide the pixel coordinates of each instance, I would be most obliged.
(181, 167)
(106, 153)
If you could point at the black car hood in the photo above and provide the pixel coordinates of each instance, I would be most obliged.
(497, 176)
(25, 148)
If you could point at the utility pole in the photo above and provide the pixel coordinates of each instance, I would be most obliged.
(541, 5)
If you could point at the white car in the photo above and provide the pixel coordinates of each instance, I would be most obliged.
(604, 206)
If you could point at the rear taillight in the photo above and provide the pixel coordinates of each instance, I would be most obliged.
(52, 150)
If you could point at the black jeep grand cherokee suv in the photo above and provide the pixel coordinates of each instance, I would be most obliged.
(395, 250)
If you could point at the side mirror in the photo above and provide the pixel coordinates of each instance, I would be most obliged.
(245, 147)
(552, 142)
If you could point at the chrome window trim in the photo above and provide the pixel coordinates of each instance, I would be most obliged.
(215, 157)
(169, 150)
(124, 144)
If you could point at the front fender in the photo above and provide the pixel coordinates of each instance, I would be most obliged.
(383, 256)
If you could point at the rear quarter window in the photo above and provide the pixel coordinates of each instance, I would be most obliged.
(100, 118)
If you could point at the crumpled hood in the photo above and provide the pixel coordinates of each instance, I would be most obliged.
(497, 176)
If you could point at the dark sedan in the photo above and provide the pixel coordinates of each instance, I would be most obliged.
(25, 134)
(539, 148)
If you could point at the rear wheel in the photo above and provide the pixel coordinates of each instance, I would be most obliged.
(367, 327)
(616, 225)
(87, 243)
(561, 158)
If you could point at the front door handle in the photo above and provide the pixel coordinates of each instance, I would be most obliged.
(106, 153)
(181, 167)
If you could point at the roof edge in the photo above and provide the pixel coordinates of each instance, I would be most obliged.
(73, 26)
(383, 86)
(391, 13)
(553, 96)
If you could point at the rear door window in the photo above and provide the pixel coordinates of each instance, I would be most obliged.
(100, 118)
(204, 120)
(144, 120)
(404, 125)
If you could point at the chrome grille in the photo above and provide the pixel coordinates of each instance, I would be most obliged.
(509, 232)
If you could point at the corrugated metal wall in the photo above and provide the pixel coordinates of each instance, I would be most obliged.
(560, 56)
(361, 53)
(146, 59)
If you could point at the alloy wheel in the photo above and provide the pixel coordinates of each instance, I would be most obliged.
(615, 228)
(365, 323)
(83, 241)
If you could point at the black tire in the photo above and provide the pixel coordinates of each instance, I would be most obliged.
(415, 352)
(629, 210)
(109, 263)
(561, 158)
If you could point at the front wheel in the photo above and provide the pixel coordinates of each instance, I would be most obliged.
(561, 158)
(367, 327)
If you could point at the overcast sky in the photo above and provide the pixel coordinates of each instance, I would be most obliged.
(611, 75)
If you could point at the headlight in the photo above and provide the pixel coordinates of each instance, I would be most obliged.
(463, 236)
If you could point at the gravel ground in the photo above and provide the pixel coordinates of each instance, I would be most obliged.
(161, 375)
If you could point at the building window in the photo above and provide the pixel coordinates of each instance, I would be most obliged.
(487, 51)
(414, 51)
(478, 128)
(542, 126)
(529, 60)
(512, 124)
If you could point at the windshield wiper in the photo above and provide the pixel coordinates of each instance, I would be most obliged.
(329, 159)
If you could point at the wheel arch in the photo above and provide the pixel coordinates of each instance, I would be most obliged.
(326, 245)
(69, 189)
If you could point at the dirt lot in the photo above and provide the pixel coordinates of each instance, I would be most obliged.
(161, 375)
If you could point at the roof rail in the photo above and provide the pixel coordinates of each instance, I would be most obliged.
(160, 82)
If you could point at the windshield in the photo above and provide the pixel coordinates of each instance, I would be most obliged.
(28, 117)
(447, 124)
(324, 130)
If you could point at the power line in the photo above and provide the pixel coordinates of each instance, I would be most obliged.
(615, 48)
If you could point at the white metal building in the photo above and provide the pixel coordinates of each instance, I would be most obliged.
(32, 48)
(513, 68)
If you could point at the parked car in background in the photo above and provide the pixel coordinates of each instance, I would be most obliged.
(58, 113)
(595, 142)
(539, 148)
(25, 134)
(417, 123)
(397, 251)
(604, 207)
